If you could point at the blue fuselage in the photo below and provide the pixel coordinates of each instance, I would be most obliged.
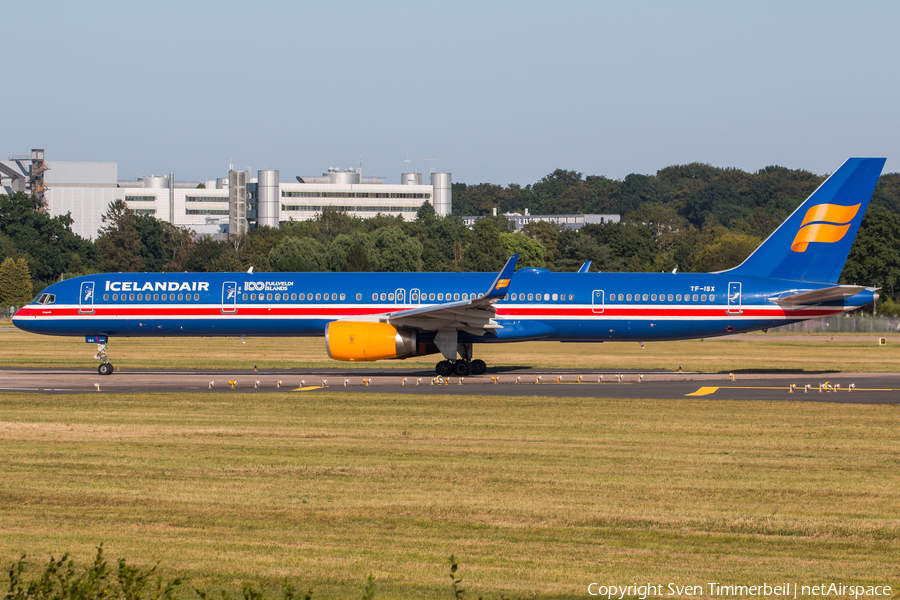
(538, 306)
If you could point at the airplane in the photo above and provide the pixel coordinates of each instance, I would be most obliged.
(792, 276)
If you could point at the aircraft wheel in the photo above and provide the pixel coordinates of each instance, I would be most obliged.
(462, 368)
(478, 367)
(444, 368)
(105, 369)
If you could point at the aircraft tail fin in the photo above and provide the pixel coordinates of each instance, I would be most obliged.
(813, 243)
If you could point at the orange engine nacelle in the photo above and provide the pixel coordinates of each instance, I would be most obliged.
(360, 340)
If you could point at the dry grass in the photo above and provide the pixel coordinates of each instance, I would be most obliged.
(537, 496)
(741, 353)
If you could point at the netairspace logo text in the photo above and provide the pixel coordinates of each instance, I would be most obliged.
(718, 590)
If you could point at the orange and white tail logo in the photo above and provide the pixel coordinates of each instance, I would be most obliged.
(826, 223)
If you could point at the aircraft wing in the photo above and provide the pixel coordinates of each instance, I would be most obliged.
(829, 294)
(473, 316)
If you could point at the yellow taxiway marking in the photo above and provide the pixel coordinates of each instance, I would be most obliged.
(704, 391)
(307, 388)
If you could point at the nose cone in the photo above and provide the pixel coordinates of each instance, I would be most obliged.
(23, 318)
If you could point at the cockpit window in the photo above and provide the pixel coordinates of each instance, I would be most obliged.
(45, 299)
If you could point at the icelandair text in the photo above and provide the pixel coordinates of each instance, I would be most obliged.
(157, 286)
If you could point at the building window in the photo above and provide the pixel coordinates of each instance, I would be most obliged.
(205, 199)
(145, 211)
(140, 198)
(206, 211)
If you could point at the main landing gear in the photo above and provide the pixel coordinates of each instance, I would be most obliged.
(464, 366)
(105, 367)
(461, 368)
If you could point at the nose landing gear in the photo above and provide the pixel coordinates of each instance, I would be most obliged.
(105, 367)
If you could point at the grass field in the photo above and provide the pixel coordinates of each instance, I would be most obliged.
(771, 352)
(536, 497)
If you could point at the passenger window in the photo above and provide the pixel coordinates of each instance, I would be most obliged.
(140, 297)
(358, 296)
(293, 297)
(383, 296)
(180, 297)
(670, 297)
(301, 297)
(105, 297)
(243, 296)
(644, 297)
(391, 296)
(374, 297)
(712, 297)
(629, 297)
(431, 296)
(695, 297)
(465, 296)
(333, 296)
(196, 296)
(440, 296)
(269, 296)
(571, 297)
(414, 296)
(343, 297)
(530, 297)
(653, 297)
(455, 296)
(278, 296)
(318, 296)
(400, 296)
(115, 296)
(513, 297)
(555, 297)
(702, 297)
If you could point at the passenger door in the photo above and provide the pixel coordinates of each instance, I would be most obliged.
(86, 298)
(734, 298)
(229, 298)
(598, 301)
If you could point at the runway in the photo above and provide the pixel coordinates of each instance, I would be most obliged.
(858, 388)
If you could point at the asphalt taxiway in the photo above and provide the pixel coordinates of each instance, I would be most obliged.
(861, 388)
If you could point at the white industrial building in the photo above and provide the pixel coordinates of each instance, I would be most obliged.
(229, 204)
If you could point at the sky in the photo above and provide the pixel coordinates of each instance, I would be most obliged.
(495, 92)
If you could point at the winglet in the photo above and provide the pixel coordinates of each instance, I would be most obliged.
(585, 267)
(500, 285)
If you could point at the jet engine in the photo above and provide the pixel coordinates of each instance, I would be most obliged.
(366, 341)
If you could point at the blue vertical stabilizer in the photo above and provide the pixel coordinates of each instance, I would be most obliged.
(813, 243)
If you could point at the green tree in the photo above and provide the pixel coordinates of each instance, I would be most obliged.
(164, 247)
(350, 253)
(204, 254)
(728, 251)
(47, 243)
(874, 258)
(484, 252)
(531, 252)
(119, 242)
(394, 251)
(298, 255)
(15, 282)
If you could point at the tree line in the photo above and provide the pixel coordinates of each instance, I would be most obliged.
(694, 217)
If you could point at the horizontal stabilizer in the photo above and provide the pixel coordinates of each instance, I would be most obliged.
(831, 294)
